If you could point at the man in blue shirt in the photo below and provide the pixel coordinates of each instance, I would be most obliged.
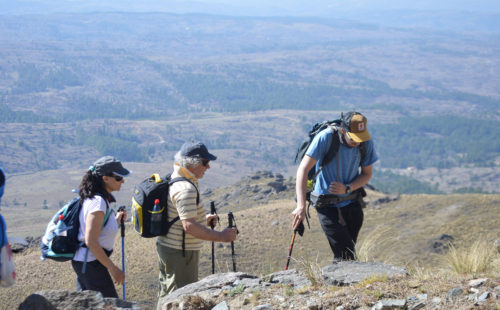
(337, 191)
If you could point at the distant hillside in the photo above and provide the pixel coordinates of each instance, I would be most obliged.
(150, 65)
(444, 157)
(76, 86)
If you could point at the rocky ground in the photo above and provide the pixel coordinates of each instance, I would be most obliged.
(343, 286)
(267, 197)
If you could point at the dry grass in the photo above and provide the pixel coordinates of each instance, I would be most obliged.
(480, 257)
(375, 245)
(311, 269)
(396, 233)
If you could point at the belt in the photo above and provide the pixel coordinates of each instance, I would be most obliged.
(323, 200)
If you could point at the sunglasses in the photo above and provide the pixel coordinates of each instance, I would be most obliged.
(117, 178)
(205, 162)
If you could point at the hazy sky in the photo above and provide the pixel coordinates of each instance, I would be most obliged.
(245, 7)
(464, 5)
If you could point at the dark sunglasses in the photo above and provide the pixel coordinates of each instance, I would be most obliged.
(205, 162)
(117, 178)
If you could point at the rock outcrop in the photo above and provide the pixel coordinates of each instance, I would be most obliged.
(69, 300)
(350, 272)
(289, 289)
(201, 295)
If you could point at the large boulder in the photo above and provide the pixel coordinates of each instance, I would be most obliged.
(64, 299)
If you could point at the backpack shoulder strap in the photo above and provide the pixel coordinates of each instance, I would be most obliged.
(106, 216)
(172, 181)
(334, 146)
(108, 211)
(362, 152)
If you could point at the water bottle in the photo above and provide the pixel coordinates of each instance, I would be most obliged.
(61, 228)
(156, 219)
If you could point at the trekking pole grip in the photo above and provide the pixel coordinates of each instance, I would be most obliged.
(212, 211)
(230, 219)
(122, 223)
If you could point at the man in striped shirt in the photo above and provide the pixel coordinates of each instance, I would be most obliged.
(179, 267)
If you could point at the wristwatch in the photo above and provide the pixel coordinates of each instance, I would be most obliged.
(347, 189)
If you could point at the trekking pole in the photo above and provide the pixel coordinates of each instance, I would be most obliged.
(213, 211)
(122, 225)
(300, 230)
(230, 219)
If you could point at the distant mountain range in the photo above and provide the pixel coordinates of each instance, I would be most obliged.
(466, 15)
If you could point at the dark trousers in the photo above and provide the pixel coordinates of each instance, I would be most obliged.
(342, 238)
(96, 278)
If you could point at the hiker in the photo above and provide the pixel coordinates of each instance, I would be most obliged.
(7, 266)
(339, 179)
(105, 176)
(2, 183)
(179, 250)
(2, 223)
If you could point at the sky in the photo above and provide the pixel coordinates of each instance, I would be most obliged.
(246, 7)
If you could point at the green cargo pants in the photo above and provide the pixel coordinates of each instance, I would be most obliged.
(176, 270)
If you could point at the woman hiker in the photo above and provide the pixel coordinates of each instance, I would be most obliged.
(105, 176)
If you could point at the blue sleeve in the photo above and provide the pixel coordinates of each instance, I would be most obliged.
(320, 144)
(370, 155)
(3, 232)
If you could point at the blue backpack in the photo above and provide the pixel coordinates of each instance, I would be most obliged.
(60, 241)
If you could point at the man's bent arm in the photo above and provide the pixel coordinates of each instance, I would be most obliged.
(362, 179)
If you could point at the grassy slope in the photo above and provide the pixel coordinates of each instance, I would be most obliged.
(265, 234)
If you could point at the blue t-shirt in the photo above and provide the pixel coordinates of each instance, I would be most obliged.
(349, 159)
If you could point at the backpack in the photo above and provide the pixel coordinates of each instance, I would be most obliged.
(7, 267)
(143, 200)
(332, 151)
(60, 241)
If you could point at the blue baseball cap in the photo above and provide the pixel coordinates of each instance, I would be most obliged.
(196, 149)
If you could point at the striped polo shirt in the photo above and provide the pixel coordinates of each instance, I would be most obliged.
(182, 203)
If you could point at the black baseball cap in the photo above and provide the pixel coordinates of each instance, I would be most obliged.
(196, 149)
(109, 165)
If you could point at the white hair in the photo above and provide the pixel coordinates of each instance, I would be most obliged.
(185, 161)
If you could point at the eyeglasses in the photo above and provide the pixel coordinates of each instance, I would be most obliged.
(205, 162)
(117, 178)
